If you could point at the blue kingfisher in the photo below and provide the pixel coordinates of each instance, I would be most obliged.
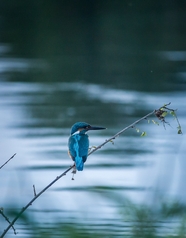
(78, 143)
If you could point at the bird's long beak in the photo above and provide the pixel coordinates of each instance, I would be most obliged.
(96, 128)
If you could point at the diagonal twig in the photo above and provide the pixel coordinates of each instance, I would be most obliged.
(7, 161)
(6, 218)
(30, 203)
(71, 167)
(120, 132)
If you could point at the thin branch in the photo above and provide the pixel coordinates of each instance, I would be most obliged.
(7, 161)
(34, 191)
(30, 203)
(120, 132)
(71, 167)
(161, 114)
(6, 218)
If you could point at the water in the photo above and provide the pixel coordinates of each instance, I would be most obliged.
(112, 84)
(133, 167)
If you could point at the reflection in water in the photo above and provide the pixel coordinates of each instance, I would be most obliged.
(20, 65)
(174, 55)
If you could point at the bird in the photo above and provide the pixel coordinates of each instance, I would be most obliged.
(78, 143)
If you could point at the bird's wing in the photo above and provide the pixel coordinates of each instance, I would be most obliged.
(83, 147)
(78, 146)
(71, 150)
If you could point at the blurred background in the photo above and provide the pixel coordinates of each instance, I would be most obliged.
(107, 63)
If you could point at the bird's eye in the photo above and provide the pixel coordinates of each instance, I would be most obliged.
(87, 127)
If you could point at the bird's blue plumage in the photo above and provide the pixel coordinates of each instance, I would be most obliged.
(79, 125)
(78, 148)
(78, 143)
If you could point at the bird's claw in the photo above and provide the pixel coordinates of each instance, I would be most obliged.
(73, 171)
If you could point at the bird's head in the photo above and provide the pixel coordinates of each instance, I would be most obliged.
(83, 127)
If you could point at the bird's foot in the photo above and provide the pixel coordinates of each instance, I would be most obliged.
(73, 172)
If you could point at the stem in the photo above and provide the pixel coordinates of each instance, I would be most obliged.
(30, 203)
(7, 161)
(120, 132)
(6, 218)
(64, 173)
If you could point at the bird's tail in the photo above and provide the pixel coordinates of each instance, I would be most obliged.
(79, 163)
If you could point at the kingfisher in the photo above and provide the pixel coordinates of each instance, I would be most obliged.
(78, 143)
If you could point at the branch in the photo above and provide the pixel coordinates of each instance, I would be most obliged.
(7, 161)
(34, 191)
(73, 166)
(30, 203)
(6, 218)
(162, 112)
(120, 132)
